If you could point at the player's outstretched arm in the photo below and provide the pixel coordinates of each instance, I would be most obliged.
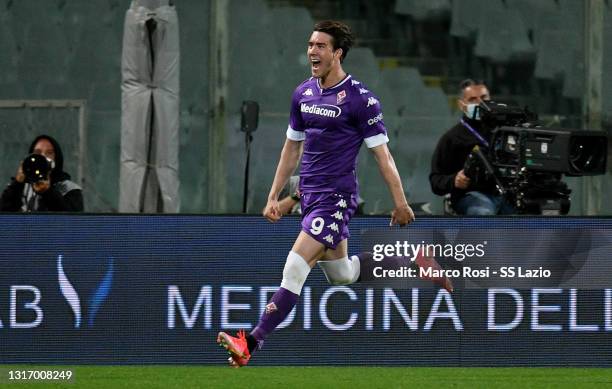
(290, 156)
(402, 214)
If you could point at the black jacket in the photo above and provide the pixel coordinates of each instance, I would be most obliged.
(449, 158)
(63, 195)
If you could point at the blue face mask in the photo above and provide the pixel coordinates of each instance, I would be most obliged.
(472, 111)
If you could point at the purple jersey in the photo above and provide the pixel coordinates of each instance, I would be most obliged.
(333, 123)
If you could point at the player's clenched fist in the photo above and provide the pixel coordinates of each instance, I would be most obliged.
(271, 211)
(402, 215)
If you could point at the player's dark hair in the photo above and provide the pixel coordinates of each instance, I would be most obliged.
(467, 83)
(342, 36)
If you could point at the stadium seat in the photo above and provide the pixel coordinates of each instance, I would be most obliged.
(372, 186)
(412, 152)
(552, 54)
(463, 22)
(422, 9)
(400, 88)
(362, 64)
(532, 12)
(403, 78)
(291, 30)
(502, 36)
(399, 92)
(432, 115)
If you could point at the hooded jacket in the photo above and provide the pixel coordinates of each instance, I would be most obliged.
(63, 196)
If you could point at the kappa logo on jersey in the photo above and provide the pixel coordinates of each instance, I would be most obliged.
(375, 119)
(338, 215)
(329, 239)
(340, 96)
(355, 82)
(334, 227)
(307, 92)
(327, 110)
(371, 101)
(363, 91)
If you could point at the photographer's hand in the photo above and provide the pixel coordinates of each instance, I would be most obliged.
(42, 186)
(20, 177)
(461, 180)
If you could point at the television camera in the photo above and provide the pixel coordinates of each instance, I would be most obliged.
(527, 162)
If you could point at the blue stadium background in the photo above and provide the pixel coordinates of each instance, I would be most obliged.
(123, 268)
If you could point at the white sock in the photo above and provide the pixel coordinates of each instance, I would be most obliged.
(295, 272)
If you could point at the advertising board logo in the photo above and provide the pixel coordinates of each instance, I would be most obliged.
(72, 297)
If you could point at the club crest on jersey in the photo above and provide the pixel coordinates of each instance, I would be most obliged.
(270, 308)
(340, 96)
(307, 92)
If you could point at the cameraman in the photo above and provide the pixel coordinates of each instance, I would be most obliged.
(447, 164)
(56, 193)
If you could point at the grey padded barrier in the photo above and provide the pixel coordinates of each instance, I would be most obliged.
(149, 179)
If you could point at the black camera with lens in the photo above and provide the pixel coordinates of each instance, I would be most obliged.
(528, 161)
(36, 168)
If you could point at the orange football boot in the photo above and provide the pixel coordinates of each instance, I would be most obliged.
(236, 347)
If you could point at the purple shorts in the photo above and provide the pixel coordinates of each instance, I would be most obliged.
(325, 216)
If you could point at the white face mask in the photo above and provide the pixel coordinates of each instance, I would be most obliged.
(472, 111)
(51, 163)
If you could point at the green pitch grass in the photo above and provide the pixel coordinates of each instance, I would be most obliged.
(317, 377)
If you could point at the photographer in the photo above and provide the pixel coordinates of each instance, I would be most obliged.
(52, 192)
(468, 195)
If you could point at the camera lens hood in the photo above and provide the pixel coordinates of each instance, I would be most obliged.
(35, 168)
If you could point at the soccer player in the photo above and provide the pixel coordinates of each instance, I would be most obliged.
(332, 114)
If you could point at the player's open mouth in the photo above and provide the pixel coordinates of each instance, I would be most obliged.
(315, 63)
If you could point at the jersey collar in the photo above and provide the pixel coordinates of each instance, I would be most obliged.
(340, 83)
